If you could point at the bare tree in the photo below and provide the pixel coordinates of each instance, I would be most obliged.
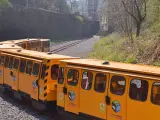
(119, 19)
(137, 9)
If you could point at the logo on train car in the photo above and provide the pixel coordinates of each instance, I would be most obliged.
(0, 72)
(102, 107)
(116, 106)
(61, 95)
(71, 95)
(14, 78)
(34, 84)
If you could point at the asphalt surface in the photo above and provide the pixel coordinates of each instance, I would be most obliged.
(80, 50)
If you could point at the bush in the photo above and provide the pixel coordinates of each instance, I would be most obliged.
(4, 4)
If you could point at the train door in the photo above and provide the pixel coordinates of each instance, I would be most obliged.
(72, 91)
(117, 96)
(60, 88)
(141, 105)
(35, 80)
(93, 92)
(7, 75)
(1, 68)
(29, 77)
(14, 73)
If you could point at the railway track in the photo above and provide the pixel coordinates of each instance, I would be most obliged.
(65, 46)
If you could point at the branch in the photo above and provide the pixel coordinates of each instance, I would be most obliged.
(139, 12)
(145, 10)
(131, 14)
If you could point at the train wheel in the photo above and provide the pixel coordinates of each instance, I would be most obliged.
(38, 106)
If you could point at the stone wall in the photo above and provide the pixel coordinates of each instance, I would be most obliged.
(25, 23)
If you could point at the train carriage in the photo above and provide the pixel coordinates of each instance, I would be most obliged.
(108, 90)
(31, 75)
(45, 45)
(36, 44)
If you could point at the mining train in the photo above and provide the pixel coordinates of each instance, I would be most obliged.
(94, 89)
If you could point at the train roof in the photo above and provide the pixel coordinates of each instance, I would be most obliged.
(124, 67)
(9, 46)
(36, 54)
(44, 39)
(23, 40)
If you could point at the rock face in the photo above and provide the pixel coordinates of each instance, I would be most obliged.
(21, 23)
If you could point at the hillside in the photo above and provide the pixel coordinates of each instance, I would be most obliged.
(145, 48)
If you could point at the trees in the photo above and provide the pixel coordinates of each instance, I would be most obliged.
(137, 9)
(126, 16)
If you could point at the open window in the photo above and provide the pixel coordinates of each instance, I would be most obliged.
(11, 62)
(155, 93)
(61, 75)
(22, 66)
(87, 78)
(16, 64)
(73, 76)
(1, 60)
(118, 84)
(138, 90)
(6, 64)
(35, 71)
(43, 71)
(100, 82)
(29, 67)
(54, 72)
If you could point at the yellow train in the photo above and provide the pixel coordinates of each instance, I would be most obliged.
(101, 90)
(30, 74)
(93, 89)
(42, 45)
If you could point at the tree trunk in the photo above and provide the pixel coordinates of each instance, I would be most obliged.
(138, 29)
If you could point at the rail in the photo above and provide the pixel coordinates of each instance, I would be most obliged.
(56, 50)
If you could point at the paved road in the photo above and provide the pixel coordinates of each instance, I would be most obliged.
(80, 50)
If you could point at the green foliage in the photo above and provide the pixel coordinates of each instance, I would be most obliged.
(4, 3)
(146, 48)
(80, 18)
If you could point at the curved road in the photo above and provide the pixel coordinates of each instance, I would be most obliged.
(79, 50)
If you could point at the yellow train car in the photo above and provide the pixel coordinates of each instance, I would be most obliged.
(9, 46)
(31, 75)
(36, 44)
(45, 45)
(99, 90)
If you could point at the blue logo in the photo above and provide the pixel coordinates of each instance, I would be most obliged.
(34, 84)
(0, 72)
(14, 78)
(71, 95)
(116, 106)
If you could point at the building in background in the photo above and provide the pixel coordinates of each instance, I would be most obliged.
(92, 6)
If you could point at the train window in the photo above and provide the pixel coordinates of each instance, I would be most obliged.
(16, 63)
(11, 62)
(35, 69)
(138, 90)
(54, 72)
(100, 82)
(72, 77)
(43, 71)
(61, 76)
(29, 67)
(155, 94)
(87, 78)
(118, 84)
(6, 64)
(1, 60)
(22, 66)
